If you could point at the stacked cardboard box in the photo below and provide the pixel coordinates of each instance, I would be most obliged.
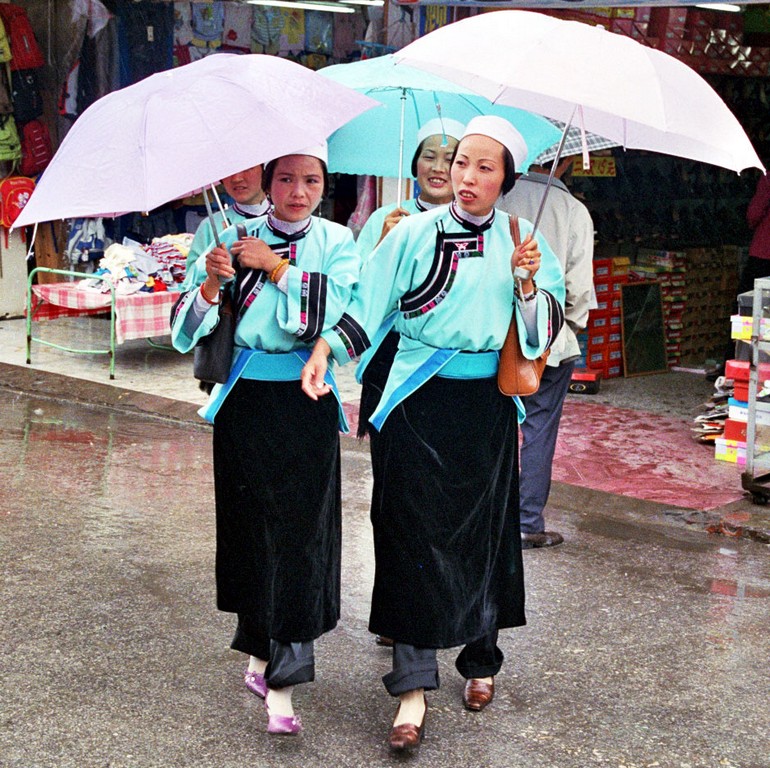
(731, 446)
(712, 284)
(698, 288)
(604, 348)
(667, 268)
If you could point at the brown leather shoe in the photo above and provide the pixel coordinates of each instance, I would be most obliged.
(407, 736)
(478, 694)
(382, 640)
(540, 540)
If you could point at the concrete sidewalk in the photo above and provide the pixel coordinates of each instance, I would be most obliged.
(630, 442)
(646, 641)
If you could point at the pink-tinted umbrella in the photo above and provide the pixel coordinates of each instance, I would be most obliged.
(185, 128)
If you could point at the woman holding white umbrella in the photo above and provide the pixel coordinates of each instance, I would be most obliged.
(436, 142)
(446, 534)
(276, 460)
(249, 200)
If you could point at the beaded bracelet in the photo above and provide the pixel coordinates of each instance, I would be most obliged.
(275, 272)
(207, 299)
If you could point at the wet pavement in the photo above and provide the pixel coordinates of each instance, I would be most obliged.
(646, 643)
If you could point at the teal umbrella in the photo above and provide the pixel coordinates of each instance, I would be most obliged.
(382, 141)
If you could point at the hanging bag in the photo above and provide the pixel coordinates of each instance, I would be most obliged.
(25, 51)
(26, 96)
(213, 354)
(36, 150)
(516, 374)
(10, 144)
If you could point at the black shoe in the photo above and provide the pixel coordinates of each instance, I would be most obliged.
(539, 540)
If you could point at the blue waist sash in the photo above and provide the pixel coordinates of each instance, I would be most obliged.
(416, 363)
(470, 365)
(258, 365)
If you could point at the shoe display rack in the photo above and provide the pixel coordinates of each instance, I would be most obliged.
(756, 476)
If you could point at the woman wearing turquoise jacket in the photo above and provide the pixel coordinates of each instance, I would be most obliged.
(436, 142)
(446, 529)
(276, 453)
(249, 200)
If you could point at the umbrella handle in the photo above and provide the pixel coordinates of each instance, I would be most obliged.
(520, 272)
(401, 148)
(225, 221)
(210, 214)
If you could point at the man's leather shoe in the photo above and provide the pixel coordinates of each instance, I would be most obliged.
(478, 694)
(407, 736)
(382, 640)
(539, 540)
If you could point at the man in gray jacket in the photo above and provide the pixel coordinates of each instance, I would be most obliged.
(567, 226)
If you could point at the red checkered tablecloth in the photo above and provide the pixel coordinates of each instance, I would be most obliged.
(138, 315)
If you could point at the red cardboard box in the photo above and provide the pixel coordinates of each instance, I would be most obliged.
(738, 370)
(597, 341)
(735, 430)
(585, 382)
(602, 267)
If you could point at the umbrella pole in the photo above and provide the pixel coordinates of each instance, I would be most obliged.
(401, 148)
(221, 207)
(553, 171)
(520, 272)
(210, 214)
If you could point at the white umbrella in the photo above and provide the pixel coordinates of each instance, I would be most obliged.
(182, 129)
(638, 97)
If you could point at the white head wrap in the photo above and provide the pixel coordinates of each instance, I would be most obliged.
(440, 126)
(321, 151)
(501, 130)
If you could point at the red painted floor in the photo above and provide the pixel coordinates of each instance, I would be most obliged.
(641, 455)
(636, 454)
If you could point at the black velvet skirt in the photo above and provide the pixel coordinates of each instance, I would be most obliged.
(446, 517)
(373, 382)
(278, 507)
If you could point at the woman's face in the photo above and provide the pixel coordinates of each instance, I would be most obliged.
(477, 174)
(297, 186)
(433, 165)
(245, 187)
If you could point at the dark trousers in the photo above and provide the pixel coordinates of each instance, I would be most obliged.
(288, 663)
(415, 668)
(539, 432)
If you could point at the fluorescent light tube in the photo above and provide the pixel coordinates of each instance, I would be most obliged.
(719, 7)
(303, 6)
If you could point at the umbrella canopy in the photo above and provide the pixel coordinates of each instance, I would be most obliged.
(369, 144)
(639, 97)
(179, 130)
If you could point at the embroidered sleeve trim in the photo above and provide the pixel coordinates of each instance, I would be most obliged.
(556, 317)
(352, 335)
(312, 310)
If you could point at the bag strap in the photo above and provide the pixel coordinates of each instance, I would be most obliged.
(513, 221)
